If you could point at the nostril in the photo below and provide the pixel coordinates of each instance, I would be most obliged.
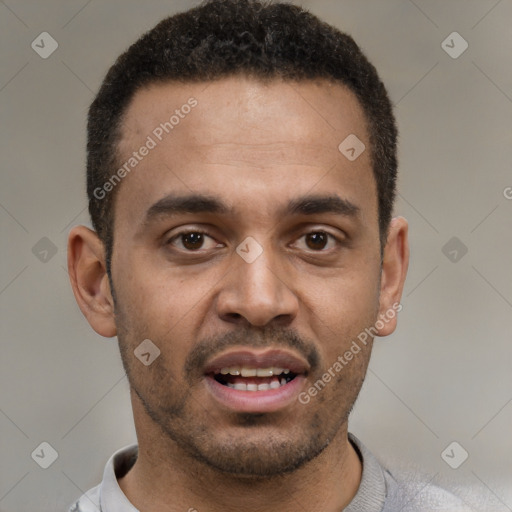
(230, 317)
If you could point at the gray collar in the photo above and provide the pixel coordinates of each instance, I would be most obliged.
(112, 498)
(371, 495)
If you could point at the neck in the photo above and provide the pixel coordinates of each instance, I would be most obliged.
(166, 479)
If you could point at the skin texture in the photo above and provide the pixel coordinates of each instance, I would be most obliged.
(255, 147)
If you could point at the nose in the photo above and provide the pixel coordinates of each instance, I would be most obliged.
(257, 293)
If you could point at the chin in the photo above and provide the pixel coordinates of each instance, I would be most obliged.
(259, 457)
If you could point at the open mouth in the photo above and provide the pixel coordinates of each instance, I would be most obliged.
(254, 379)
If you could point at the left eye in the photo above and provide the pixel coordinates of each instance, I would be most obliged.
(192, 241)
(319, 240)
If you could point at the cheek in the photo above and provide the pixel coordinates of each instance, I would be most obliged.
(341, 308)
(347, 296)
(147, 291)
(160, 303)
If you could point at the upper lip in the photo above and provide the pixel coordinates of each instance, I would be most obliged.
(254, 359)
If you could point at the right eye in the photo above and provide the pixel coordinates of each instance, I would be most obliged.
(191, 241)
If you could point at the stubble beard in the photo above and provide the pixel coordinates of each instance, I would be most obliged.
(255, 446)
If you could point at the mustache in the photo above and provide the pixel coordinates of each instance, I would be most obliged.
(271, 336)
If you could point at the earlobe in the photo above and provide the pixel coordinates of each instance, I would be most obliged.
(89, 280)
(394, 270)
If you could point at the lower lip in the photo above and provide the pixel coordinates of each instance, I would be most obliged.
(270, 400)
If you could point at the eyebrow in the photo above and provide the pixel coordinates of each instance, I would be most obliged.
(314, 204)
(192, 203)
(197, 203)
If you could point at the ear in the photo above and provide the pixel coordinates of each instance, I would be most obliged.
(89, 279)
(394, 269)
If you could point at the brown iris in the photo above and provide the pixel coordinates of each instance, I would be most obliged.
(192, 241)
(317, 240)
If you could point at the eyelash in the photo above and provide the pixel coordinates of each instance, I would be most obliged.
(204, 233)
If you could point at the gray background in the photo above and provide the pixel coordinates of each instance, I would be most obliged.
(443, 376)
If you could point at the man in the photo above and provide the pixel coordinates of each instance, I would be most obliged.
(241, 174)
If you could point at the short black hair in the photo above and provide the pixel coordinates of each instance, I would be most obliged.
(220, 38)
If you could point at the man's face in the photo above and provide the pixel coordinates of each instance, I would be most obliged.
(289, 300)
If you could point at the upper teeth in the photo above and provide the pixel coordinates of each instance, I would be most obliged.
(253, 372)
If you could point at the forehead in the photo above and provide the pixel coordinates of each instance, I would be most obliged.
(304, 112)
(239, 133)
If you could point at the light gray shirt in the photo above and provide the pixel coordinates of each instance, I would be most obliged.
(379, 490)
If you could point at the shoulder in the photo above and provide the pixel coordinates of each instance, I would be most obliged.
(88, 502)
(413, 492)
(108, 493)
